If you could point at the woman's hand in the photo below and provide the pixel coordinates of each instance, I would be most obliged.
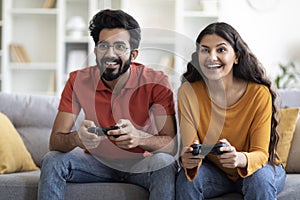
(231, 158)
(88, 140)
(188, 160)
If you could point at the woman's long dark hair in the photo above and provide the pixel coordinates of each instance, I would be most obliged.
(248, 68)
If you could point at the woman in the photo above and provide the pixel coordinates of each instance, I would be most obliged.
(225, 97)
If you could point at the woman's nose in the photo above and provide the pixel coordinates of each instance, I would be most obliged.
(213, 55)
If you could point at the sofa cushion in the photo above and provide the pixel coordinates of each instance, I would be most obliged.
(36, 141)
(33, 117)
(293, 162)
(19, 186)
(14, 157)
(287, 121)
(291, 188)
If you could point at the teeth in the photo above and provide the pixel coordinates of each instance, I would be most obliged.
(111, 63)
(213, 66)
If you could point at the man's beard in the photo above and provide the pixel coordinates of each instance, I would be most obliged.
(107, 73)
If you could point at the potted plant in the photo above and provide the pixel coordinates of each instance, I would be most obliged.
(288, 76)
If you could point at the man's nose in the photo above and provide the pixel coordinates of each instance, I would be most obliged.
(110, 51)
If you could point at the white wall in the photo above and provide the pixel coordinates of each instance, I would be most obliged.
(273, 34)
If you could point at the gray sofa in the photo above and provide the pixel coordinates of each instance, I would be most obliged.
(33, 117)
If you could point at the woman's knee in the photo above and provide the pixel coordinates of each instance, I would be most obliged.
(186, 189)
(181, 178)
(263, 179)
(181, 182)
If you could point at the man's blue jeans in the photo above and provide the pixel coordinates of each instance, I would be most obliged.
(210, 182)
(59, 168)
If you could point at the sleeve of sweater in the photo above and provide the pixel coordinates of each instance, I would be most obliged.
(187, 122)
(259, 133)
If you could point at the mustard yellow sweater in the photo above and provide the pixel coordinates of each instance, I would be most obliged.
(246, 124)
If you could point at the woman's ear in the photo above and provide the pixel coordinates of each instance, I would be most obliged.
(134, 54)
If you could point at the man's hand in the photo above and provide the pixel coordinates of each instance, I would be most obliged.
(129, 138)
(89, 140)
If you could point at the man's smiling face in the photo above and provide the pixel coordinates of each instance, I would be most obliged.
(113, 53)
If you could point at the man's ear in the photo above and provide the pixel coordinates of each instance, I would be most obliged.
(134, 54)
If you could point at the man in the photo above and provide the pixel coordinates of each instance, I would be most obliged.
(117, 92)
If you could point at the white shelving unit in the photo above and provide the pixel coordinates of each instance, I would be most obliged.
(191, 17)
(194, 15)
(169, 29)
(35, 28)
(75, 44)
(157, 22)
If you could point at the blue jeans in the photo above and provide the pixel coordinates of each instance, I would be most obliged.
(59, 168)
(211, 182)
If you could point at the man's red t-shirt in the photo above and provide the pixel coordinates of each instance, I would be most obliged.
(146, 93)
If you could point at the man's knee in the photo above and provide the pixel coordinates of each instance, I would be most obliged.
(163, 161)
(50, 157)
(54, 158)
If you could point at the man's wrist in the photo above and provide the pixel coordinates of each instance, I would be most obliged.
(76, 140)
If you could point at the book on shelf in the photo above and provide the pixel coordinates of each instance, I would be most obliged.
(52, 83)
(18, 53)
(49, 3)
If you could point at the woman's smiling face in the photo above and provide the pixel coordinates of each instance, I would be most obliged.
(216, 57)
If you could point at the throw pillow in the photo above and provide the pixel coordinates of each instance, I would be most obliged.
(14, 157)
(286, 127)
(293, 161)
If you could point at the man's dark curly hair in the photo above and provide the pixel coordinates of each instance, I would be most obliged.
(115, 19)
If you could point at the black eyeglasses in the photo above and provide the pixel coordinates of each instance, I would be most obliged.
(120, 48)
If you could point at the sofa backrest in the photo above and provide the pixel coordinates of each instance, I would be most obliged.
(291, 98)
(33, 117)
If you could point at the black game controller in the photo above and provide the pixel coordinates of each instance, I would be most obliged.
(205, 149)
(101, 131)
